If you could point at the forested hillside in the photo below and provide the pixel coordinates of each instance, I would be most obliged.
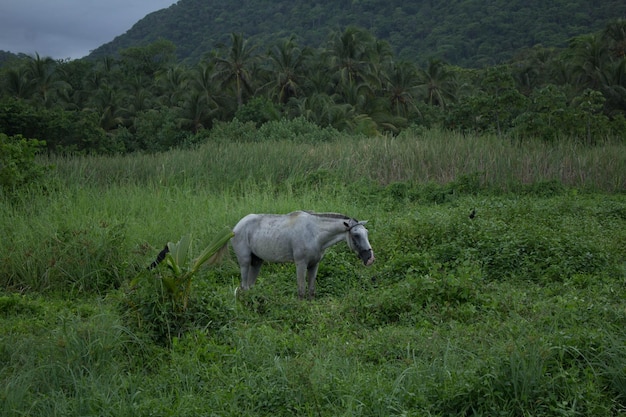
(468, 33)
(145, 100)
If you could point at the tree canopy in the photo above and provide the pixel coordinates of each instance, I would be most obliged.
(145, 99)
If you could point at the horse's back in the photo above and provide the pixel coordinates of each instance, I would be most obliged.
(268, 222)
(268, 236)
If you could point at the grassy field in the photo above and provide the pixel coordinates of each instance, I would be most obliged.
(518, 311)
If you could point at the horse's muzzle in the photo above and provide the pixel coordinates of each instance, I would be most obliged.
(367, 256)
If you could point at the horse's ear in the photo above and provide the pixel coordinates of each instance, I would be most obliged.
(363, 222)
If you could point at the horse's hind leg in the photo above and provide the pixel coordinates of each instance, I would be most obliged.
(254, 269)
(249, 267)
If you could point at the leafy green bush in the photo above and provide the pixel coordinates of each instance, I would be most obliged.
(433, 297)
(235, 130)
(258, 110)
(165, 290)
(156, 130)
(63, 131)
(17, 162)
(298, 130)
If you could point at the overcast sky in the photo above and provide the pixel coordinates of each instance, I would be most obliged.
(68, 28)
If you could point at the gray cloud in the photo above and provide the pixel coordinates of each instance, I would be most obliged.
(68, 28)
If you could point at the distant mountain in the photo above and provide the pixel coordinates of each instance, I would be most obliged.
(470, 33)
(6, 56)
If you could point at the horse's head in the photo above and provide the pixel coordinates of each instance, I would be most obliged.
(358, 241)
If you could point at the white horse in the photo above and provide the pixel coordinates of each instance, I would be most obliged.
(301, 237)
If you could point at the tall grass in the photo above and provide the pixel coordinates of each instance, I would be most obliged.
(435, 156)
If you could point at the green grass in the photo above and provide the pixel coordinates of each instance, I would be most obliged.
(516, 312)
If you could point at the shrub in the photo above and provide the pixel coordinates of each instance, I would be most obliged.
(258, 110)
(17, 162)
(165, 290)
(235, 130)
(157, 130)
(298, 130)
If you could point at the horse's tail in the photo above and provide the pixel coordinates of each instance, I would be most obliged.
(159, 257)
(218, 256)
(211, 255)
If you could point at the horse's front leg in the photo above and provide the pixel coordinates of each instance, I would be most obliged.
(301, 272)
(311, 275)
(244, 276)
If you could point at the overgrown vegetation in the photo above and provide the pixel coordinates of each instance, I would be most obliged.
(17, 163)
(498, 288)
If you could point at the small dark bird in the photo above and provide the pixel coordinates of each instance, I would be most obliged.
(472, 214)
(159, 257)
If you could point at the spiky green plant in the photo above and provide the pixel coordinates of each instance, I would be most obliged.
(177, 271)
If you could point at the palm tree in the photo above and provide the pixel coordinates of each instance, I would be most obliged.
(173, 84)
(531, 68)
(238, 67)
(17, 83)
(615, 90)
(196, 112)
(437, 84)
(591, 57)
(139, 95)
(380, 57)
(45, 80)
(106, 103)
(286, 64)
(318, 79)
(615, 34)
(348, 54)
(204, 89)
(401, 88)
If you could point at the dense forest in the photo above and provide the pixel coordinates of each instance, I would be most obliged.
(468, 33)
(146, 99)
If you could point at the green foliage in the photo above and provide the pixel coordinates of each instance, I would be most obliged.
(297, 130)
(156, 130)
(234, 130)
(18, 167)
(148, 60)
(509, 245)
(62, 131)
(433, 295)
(609, 363)
(258, 110)
(547, 116)
(18, 117)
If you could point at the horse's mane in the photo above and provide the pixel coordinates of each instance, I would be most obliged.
(330, 215)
